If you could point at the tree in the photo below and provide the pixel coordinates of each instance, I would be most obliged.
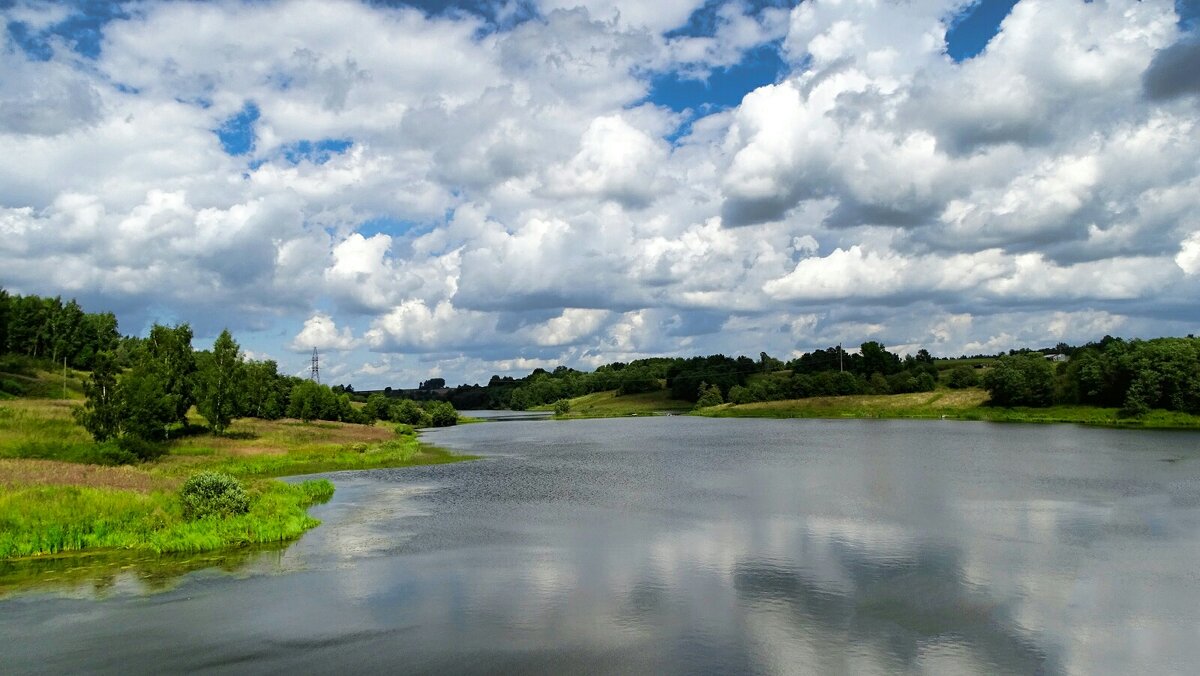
(147, 410)
(709, 395)
(305, 401)
(264, 392)
(219, 381)
(442, 414)
(378, 407)
(170, 354)
(962, 376)
(562, 407)
(1020, 380)
(101, 414)
(876, 359)
(406, 411)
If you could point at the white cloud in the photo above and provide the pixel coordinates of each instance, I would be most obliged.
(321, 332)
(520, 193)
(1188, 258)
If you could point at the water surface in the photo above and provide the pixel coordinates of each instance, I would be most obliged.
(691, 545)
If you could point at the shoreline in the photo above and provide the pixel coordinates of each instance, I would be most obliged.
(54, 509)
(969, 404)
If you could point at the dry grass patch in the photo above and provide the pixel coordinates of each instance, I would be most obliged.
(250, 436)
(27, 472)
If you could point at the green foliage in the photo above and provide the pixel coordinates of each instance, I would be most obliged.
(638, 379)
(220, 380)
(52, 519)
(170, 361)
(709, 395)
(685, 376)
(562, 407)
(146, 407)
(208, 494)
(101, 413)
(47, 328)
(1021, 380)
(442, 414)
(740, 394)
(962, 377)
(264, 393)
(378, 407)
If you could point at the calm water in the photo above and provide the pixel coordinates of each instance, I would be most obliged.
(683, 545)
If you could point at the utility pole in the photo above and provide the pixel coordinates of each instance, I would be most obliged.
(841, 369)
(315, 376)
(64, 377)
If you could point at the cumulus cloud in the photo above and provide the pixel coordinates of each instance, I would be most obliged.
(474, 192)
(322, 333)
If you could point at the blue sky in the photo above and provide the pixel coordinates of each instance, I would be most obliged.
(467, 188)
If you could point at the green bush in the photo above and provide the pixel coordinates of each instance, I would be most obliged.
(9, 386)
(442, 414)
(562, 407)
(404, 430)
(962, 377)
(213, 494)
(710, 395)
(141, 449)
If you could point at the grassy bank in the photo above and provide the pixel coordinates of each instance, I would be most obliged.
(967, 404)
(610, 405)
(58, 494)
(38, 520)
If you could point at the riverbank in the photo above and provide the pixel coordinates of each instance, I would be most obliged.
(54, 501)
(948, 404)
(609, 405)
(965, 404)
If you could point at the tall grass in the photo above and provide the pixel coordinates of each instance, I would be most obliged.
(393, 453)
(53, 519)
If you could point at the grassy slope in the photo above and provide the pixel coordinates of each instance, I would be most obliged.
(609, 405)
(968, 404)
(52, 500)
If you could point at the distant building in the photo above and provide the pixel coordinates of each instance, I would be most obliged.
(1057, 357)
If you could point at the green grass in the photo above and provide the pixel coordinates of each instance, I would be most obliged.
(610, 405)
(25, 377)
(396, 453)
(40, 520)
(54, 499)
(966, 404)
(44, 429)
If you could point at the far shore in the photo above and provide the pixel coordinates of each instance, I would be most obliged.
(941, 404)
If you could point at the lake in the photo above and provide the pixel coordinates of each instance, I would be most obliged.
(688, 545)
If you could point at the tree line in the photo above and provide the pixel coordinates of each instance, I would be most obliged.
(141, 389)
(872, 370)
(1134, 376)
(49, 329)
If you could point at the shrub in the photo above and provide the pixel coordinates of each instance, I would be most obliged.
(710, 395)
(442, 414)
(1020, 380)
(740, 394)
(213, 494)
(562, 407)
(9, 386)
(961, 377)
(404, 430)
(140, 448)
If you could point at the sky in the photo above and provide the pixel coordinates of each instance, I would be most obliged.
(461, 189)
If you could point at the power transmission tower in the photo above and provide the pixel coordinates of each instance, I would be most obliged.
(315, 376)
